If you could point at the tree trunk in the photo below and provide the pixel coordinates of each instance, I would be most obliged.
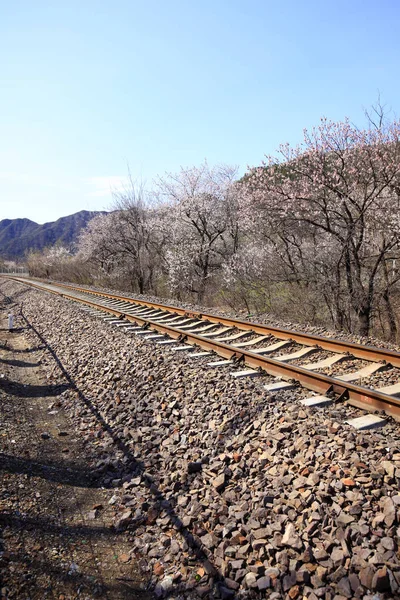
(364, 320)
(390, 316)
(141, 284)
(201, 292)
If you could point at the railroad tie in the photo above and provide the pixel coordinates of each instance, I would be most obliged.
(272, 348)
(245, 373)
(366, 422)
(220, 363)
(327, 362)
(299, 354)
(315, 401)
(279, 385)
(183, 348)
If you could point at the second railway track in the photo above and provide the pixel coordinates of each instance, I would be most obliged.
(255, 348)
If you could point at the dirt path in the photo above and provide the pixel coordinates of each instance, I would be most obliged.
(56, 535)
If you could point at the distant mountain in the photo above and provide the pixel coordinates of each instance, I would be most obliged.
(19, 236)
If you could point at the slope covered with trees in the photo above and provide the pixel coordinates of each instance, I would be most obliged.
(313, 233)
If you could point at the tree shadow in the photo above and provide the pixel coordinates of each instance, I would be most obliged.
(21, 350)
(31, 391)
(132, 464)
(18, 363)
(65, 473)
(7, 300)
(48, 527)
(76, 582)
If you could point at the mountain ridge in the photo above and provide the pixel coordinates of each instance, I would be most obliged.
(20, 236)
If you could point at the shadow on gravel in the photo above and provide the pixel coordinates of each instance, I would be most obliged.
(135, 467)
(65, 473)
(23, 350)
(17, 295)
(18, 363)
(78, 584)
(31, 391)
(48, 527)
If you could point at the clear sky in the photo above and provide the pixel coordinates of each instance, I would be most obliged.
(90, 86)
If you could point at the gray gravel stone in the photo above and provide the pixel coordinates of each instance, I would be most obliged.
(201, 463)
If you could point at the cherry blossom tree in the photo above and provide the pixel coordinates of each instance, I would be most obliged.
(95, 243)
(51, 262)
(340, 192)
(138, 236)
(126, 244)
(203, 224)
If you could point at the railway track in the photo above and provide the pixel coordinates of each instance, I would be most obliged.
(255, 349)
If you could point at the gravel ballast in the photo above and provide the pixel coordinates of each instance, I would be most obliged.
(225, 490)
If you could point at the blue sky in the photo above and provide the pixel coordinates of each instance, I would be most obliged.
(88, 87)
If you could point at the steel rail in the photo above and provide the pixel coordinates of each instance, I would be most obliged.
(370, 353)
(356, 395)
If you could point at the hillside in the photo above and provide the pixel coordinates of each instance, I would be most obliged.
(19, 236)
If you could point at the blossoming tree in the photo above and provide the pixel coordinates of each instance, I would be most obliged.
(203, 224)
(338, 193)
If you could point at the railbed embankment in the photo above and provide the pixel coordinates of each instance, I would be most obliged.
(226, 491)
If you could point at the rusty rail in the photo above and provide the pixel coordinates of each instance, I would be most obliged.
(356, 395)
(370, 353)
